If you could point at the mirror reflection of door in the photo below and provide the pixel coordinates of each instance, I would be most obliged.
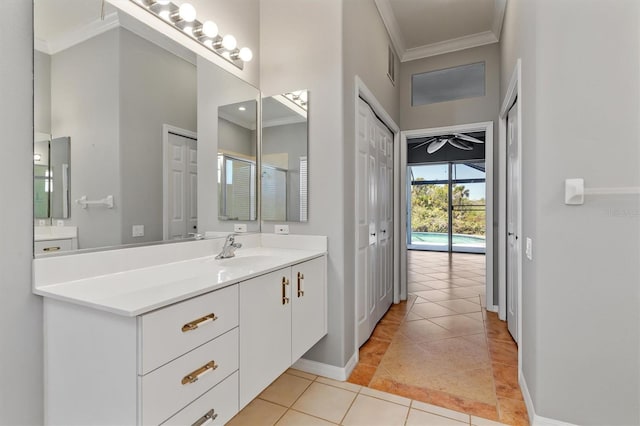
(182, 188)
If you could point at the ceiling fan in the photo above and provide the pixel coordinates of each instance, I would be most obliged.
(458, 140)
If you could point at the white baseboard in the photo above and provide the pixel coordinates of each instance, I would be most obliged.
(327, 370)
(492, 308)
(534, 419)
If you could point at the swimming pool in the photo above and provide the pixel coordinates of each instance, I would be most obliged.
(438, 240)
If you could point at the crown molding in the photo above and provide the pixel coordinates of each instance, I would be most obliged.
(41, 46)
(442, 47)
(448, 46)
(283, 121)
(80, 34)
(498, 17)
(393, 28)
(237, 121)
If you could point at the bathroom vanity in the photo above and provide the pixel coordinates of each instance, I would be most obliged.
(170, 335)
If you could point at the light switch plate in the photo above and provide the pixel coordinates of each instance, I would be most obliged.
(281, 229)
(240, 227)
(529, 249)
(137, 231)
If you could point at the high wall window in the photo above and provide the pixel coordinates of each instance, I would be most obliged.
(465, 81)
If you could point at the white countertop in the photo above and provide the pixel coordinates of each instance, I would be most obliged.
(47, 233)
(138, 291)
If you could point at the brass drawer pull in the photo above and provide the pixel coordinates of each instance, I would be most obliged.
(200, 321)
(207, 418)
(195, 375)
(300, 278)
(51, 249)
(285, 283)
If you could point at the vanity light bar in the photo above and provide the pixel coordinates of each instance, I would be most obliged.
(183, 18)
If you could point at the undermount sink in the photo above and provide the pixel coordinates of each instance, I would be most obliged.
(250, 260)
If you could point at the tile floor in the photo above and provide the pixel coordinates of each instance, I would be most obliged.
(442, 347)
(301, 399)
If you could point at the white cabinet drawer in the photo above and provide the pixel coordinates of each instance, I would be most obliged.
(166, 334)
(221, 402)
(168, 389)
(52, 246)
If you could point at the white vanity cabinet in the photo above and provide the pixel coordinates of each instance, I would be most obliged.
(282, 315)
(106, 369)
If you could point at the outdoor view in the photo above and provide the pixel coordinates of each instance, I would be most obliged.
(430, 207)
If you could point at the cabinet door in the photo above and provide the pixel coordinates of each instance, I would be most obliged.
(309, 306)
(265, 331)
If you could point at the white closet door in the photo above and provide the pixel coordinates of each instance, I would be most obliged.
(513, 203)
(182, 191)
(374, 221)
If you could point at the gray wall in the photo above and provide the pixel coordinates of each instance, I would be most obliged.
(85, 106)
(156, 88)
(235, 138)
(21, 400)
(581, 297)
(41, 92)
(312, 29)
(292, 139)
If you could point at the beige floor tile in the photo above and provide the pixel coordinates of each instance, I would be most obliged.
(431, 310)
(368, 411)
(424, 330)
(433, 295)
(479, 421)
(421, 418)
(295, 418)
(285, 389)
(464, 292)
(342, 385)
(258, 413)
(464, 282)
(385, 396)
(324, 401)
(302, 374)
(459, 324)
(440, 411)
(460, 306)
(475, 315)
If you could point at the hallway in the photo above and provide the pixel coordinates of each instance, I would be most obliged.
(442, 347)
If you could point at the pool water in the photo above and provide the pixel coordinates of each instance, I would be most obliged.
(440, 238)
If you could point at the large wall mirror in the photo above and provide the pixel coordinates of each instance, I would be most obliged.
(284, 157)
(135, 109)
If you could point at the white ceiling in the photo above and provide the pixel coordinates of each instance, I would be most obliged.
(54, 18)
(423, 28)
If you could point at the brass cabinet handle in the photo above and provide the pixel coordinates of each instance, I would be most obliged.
(300, 278)
(200, 321)
(285, 283)
(209, 417)
(51, 248)
(195, 375)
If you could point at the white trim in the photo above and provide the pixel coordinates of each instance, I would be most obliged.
(492, 308)
(391, 23)
(448, 46)
(327, 370)
(498, 17)
(534, 419)
(78, 35)
(514, 92)
(166, 129)
(486, 127)
(251, 125)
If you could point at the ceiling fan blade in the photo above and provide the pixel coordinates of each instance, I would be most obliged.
(467, 138)
(424, 143)
(460, 144)
(436, 145)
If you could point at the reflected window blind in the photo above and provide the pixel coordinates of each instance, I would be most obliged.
(240, 198)
(303, 189)
(274, 194)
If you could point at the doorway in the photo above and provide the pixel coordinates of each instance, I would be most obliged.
(464, 173)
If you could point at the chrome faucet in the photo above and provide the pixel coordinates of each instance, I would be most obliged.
(230, 246)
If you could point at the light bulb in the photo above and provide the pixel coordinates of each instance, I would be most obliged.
(209, 43)
(245, 54)
(188, 29)
(163, 2)
(303, 96)
(210, 29)
(229, 42)
(187, 12)
(242, 108)
(164, 14)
